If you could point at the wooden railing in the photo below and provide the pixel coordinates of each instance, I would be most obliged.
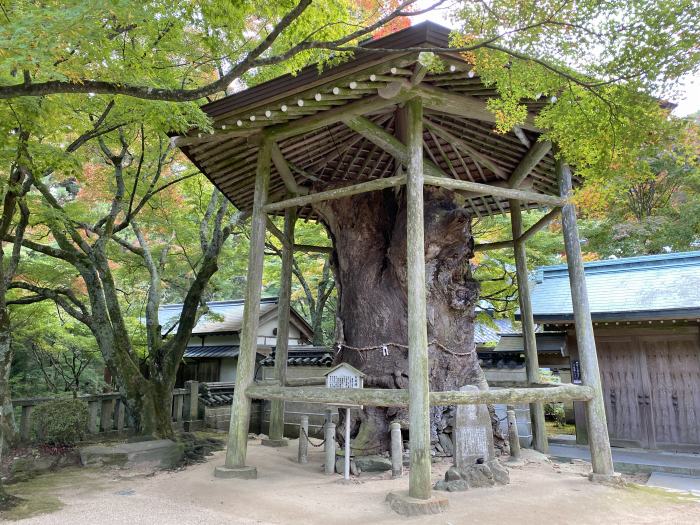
(107, 413)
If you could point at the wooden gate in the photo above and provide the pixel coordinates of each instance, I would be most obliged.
(673, 365)
(651, 386)
(621, 370)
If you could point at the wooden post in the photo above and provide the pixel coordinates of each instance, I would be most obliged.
(532, 366)
(237, 446)
(276, 433)
(419, 485)
(598, 439)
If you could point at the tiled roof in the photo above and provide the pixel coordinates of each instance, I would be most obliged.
(304, 356)
(650, 287)
(547, 342)
(216, 394)
(224, 317)
(211, 351)
(485, 333)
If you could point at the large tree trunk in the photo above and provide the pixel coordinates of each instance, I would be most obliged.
(7, 419)
(148, 402)
(369, 235)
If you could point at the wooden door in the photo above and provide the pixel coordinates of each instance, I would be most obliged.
(673, 364)
(622, 376)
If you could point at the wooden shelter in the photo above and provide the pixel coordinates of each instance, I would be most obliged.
(297, 140)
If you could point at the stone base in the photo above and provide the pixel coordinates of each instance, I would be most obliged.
(402, 503)
(155, 454)
(606, 479)
(245, 472)
(267, 442)
(475, 476)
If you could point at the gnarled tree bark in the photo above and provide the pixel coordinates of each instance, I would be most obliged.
(369, 237)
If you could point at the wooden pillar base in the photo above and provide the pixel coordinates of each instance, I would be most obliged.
(245, 472)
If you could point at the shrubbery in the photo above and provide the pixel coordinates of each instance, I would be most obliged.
(555, 411)
(60, 422)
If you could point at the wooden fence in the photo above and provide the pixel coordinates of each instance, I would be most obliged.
(107, 413)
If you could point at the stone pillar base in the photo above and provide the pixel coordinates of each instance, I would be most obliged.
(267, 442)
(245, 472)
(402, 503)
(606, 479)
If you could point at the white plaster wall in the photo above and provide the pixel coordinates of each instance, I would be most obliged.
(266, 333)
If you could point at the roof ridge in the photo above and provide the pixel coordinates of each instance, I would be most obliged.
(228, 302)
(642, 262)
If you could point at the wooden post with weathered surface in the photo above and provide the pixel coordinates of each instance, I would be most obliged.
(276, 433)
(598, 439)
(418, 385)
(532, 365)
(237, 446)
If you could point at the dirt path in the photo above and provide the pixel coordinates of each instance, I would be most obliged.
(286, 492)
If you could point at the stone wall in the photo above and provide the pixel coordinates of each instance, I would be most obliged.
(219, 418)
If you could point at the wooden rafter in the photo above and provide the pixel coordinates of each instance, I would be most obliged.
(534, 155)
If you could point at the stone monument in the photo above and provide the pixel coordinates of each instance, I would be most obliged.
(475, 463)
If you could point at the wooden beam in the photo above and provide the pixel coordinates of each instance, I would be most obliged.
(517, 130)
(461, 105)
(488, 189)
(285, 173)
(433, 174)
(337, 193)
(534, 155)
(276, 433)
(279, 234)
(389, 143)
(498, 245)
(201, 138)
(477, 156)
(306, 381)
(326, 118)
(419, 483)
(394, 397)
(541, 224)
(237, 445)
(309, 248)
(598, 439)
(532, 366)
(419, 72)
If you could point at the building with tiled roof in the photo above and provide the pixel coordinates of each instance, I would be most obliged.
(646, 321)
(212, 353)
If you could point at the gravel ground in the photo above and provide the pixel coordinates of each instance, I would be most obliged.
(286, 492)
